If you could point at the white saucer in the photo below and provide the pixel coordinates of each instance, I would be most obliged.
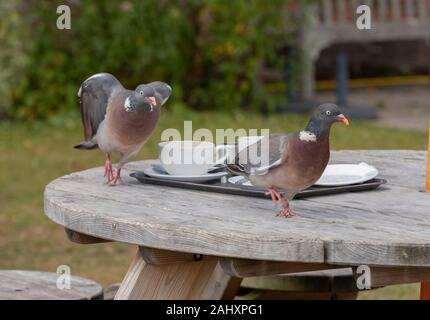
(333, 175)
(153, 173)
(346, 174)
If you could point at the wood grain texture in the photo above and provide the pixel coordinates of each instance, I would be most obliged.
(81, 238)
(36, 285)
(220, 285)
(334, 281)
(386, 227)
(187, 280)
(243, 268)
(381, 276)
(156, 256)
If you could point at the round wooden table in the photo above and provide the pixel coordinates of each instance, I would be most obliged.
(183, 234)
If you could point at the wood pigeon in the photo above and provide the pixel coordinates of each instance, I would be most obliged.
(117, 120)
(290, 162)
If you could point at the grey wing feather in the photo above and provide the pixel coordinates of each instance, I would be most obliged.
(261, 156)
(94, 94)
(162, 91)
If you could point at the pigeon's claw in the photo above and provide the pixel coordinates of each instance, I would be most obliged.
(116, 178)
(286, 212)
(278, 197)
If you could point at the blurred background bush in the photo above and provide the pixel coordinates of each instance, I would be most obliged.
(211, 53)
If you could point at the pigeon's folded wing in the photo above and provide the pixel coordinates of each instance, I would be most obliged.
(94, 94)
(261, 156)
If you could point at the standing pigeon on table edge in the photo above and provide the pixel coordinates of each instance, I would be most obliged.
(117, 120)
(295, 161)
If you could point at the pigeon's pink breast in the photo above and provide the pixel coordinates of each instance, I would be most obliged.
(129, 130)
(305, 162)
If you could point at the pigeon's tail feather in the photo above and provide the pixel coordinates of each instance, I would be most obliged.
(86, 145)
(236, 169)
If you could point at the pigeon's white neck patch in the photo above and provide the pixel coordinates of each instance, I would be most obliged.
(127, 105)
(307, 136)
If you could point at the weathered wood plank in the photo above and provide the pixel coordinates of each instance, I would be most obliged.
(380, 276)
(81, 238)
(401, 168)
(334, 281)
(187, 280)
(232, 288)
(220, 285)
(37, 285)
(157, 256)
(377, 227)
(243, 268)
(357, 253)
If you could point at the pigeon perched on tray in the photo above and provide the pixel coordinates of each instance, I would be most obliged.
(295, 161)
(117, 120)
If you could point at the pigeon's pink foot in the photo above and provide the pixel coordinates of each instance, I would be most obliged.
(116, 178)
(278, 197)
(108, 170)
(287, 212)
(274, 194)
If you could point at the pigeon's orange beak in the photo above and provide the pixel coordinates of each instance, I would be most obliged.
(342, 118)
(152, 101)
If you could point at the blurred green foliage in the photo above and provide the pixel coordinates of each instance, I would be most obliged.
(212, 52)
(12, 57)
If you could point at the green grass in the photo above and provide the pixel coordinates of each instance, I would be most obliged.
(33, 154)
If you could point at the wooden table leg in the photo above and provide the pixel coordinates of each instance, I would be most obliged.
(425, 291)
(186, 279)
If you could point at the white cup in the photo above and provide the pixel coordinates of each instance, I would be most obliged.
(190, 158)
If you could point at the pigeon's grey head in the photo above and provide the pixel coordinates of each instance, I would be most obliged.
(324, 116)
(148, 96)
(142, 98)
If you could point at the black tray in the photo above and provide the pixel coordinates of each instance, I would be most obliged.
(229, 188)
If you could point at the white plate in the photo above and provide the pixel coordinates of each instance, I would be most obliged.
(346, 174)
(333, 175)
(206, 177)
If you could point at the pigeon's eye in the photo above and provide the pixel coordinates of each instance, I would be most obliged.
(328, 112)
(141, 93)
